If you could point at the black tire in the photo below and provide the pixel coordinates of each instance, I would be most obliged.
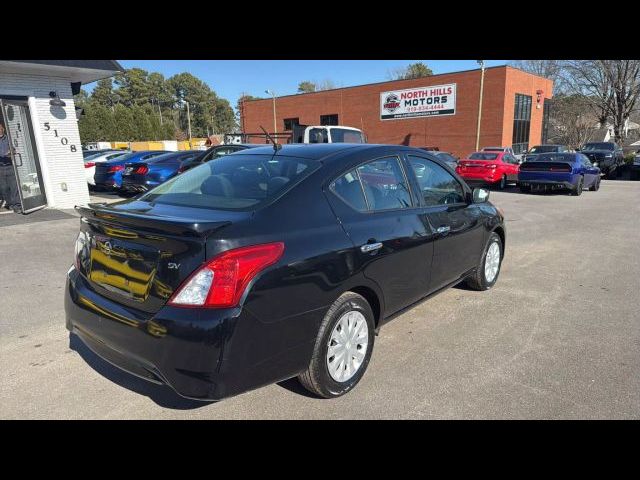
(503, 182)
(596, 185)
(478, 281)
(317, 378)
(525, 188)
(577, 191)
(613, 174)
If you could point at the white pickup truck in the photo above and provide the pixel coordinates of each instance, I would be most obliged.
(327, 134)
(305, 134)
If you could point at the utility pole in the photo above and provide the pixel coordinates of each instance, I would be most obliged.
(481, 63)
(189, 125)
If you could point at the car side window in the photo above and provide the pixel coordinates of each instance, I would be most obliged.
(438, 186)
(384, 184)
(585, 161)
(349, 189)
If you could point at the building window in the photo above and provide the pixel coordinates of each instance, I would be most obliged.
(329, 119)
(290, 122)
(521, 123)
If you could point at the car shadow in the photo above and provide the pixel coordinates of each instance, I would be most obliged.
(293, 385)
(162, 395)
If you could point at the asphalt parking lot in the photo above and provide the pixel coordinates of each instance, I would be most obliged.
(558, 336)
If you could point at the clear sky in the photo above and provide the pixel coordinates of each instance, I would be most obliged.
(231, 78)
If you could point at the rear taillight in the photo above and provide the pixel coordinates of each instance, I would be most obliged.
(142, 170)
(115, 168)
(89, 164)
(221, 282)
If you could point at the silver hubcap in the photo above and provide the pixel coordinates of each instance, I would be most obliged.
(492, 262)
(347, 346)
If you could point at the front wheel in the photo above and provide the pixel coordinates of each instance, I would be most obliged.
(596, 185)
(488, 269)
(343, 347)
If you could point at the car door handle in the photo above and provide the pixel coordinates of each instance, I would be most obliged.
(443, 229)
(370, 247)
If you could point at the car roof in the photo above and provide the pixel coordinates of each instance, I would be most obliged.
(327, 152)
(246, 145)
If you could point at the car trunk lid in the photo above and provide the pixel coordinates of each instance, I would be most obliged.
(138, 254)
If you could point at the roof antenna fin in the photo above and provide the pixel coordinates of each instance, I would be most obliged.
(276, 146)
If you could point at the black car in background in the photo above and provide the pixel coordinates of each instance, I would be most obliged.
(448, 158)
(608, 156)
(216, 152)
(275, 263)
(539, 149)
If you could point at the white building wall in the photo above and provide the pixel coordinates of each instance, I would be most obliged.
(59, 164)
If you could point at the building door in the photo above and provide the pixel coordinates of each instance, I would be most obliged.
(17, 121)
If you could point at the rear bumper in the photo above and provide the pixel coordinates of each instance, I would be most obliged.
(203, 354)
(137, 187)
(481, 178)
(548, 179)
(176, 347)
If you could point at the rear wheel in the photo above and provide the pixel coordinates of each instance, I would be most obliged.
(488, 269)
(577, 191)
(525, 188)
(503, 182)
(343, 347)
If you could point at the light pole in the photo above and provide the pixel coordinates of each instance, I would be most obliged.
(189, 125)
(275, 125)
(481, 63)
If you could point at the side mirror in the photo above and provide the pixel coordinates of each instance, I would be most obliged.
(480, 195)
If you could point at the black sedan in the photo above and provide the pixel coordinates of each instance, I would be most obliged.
(275, 263)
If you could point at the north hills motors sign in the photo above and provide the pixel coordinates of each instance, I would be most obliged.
(418, 102)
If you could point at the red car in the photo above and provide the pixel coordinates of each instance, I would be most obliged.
(492, 168)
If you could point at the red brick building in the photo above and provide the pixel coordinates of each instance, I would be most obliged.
(513, 110)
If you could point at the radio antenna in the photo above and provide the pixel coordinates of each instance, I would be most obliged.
(276, 146)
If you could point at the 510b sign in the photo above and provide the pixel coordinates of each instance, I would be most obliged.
(63, 140)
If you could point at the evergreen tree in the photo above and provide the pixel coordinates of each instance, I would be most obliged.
(125, 129)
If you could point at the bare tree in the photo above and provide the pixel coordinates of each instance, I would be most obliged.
(572, 120)
(611, 87)
(414, 70)
(551, 69)
(326, 84)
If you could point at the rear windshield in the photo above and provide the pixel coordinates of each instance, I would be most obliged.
(552, 157)
(343, 135)
(483, 156)
(599, 146)
(544, 149)
(234, 182)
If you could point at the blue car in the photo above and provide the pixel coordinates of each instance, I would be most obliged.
(109, 174)
(143, 176)
(551, 171)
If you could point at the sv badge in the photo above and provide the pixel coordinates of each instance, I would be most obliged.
(173, 266)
